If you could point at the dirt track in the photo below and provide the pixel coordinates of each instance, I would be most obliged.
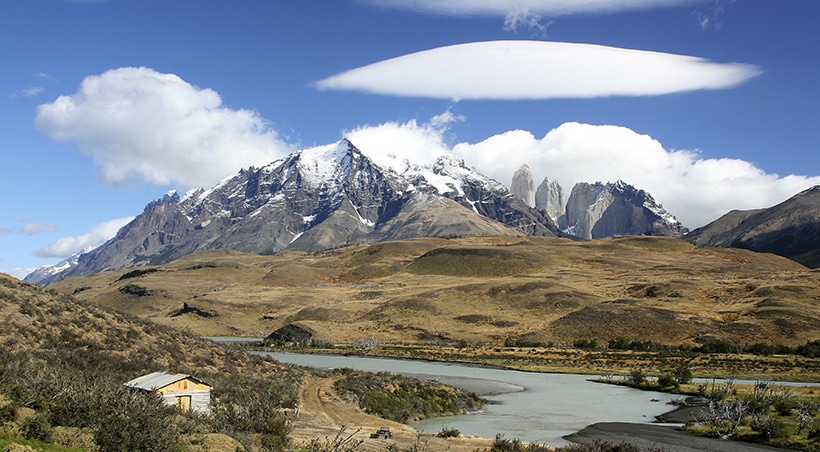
(323, 415)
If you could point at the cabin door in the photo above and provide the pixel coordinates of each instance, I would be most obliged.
(184, 402)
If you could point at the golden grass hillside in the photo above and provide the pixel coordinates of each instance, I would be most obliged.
(479, 290)
(67, 362)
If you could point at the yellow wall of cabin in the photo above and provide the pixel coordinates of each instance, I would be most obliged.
(186, 385)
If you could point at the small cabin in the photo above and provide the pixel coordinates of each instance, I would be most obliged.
(180, 390)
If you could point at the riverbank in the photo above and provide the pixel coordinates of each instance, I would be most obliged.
(542, 408)
(591, 362)
(665, 437)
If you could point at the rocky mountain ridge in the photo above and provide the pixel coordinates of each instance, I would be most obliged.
(789, 229)
(594, 211)
(316, 199)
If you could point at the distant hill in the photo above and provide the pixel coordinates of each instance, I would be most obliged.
(790, 229)
(485, 290)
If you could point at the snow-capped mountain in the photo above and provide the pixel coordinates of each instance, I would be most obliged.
(49, 271)
(316, 199)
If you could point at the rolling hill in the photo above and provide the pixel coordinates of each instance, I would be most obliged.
(478, 290)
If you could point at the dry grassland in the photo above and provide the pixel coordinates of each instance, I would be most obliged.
(479, 291)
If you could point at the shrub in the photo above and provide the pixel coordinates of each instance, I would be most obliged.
(810, 350)
(668, 381)
(447, 432)
(585, 344)
(682, 374)
(37, 428)
(8, 412)
(401, 398)
(132, 421)
(768, 427)
(637, 377)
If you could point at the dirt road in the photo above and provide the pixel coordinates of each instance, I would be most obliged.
(324, 415)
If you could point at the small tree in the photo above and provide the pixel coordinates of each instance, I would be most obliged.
(637, 377)
(682, 374)
(668, 381)
(804, 419)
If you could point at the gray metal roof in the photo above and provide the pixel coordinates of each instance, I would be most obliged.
(156, 380)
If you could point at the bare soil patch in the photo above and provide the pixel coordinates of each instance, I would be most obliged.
(323, 414)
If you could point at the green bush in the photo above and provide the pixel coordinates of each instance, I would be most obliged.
(682, 374)
(637, 377)
(37, 428)
(810, 350)
(447, 432)
(667, 381)
(585, 344)
(403, 399)
(8, 412)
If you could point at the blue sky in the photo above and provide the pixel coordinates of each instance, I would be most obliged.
(106, 105)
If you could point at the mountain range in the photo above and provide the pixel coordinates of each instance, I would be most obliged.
(316, 199)
(334, 195)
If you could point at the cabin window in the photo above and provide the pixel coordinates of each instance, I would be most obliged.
(183, 402)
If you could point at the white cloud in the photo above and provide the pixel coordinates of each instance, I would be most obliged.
(142, 125)
(526, 19)
(18, 273)
(31, 227)
(31, 91)
(409, 141)
(503, 8)
(538, 70)
(68, 246)
(695, 189)
(711, 17)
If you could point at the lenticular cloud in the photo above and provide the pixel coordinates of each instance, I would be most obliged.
(538, 70)
(142, 125)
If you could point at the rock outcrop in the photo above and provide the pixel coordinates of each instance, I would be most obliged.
(549, 198)
(597, 211)
(522, 186)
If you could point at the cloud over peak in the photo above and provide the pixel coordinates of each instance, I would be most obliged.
(697, 190)
(538, 70)
(68, 246)
(145, 126)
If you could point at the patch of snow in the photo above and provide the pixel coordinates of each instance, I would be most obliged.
(205, 223)
(362, 219)
(296, 237)
(322, 164)
(308, 219)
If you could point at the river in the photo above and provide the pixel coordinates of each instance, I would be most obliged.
(530, 406)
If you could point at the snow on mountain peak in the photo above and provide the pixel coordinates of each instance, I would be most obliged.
(321, 165)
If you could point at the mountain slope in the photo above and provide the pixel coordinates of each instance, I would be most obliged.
(316, 199)
(69, 360)
(790, 229)
(480, 290)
